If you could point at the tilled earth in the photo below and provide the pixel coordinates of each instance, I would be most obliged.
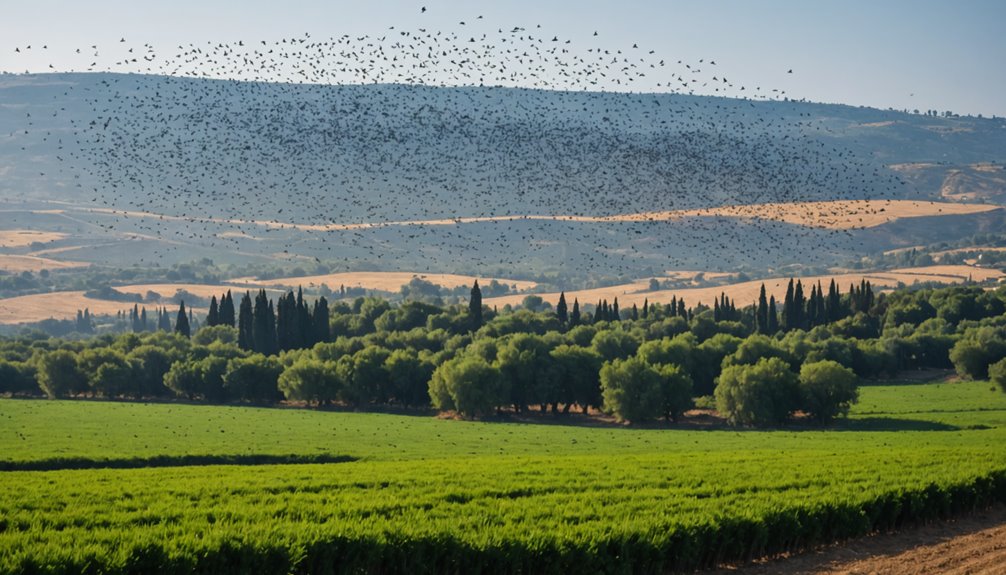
(972, 545)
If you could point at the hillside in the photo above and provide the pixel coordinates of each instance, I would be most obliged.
(139, 168)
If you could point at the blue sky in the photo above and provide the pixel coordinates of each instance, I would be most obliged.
(926, 54)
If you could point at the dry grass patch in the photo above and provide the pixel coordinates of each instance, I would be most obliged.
(59, 305)
(24, 238)
(745, 293)
(383, 281)
(18, 264)
(837, 215)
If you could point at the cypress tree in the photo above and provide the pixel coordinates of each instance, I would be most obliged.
(213, 316)
(264, 325)
(163, 320)
(182, 322)
(788, 314)
(822, 306)
(143, 320)
(834, 303)
(319, 320)
(682, 312)
(475, 306)
(560, 308)
(773, 317)
(635, 313)
(286, 309)
(614, 311)
(134, 316)
(812, 307)
(799, 306)
(674, 306)
(646, 307)
(246, 339)
(716, 310)
(599, 311)
(226, 313)
(304, 325)
(574, 318)
(761, 312)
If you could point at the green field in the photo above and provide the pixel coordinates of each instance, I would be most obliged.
(430, 495)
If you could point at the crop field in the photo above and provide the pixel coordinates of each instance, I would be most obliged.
(745, 293)
(421, 494)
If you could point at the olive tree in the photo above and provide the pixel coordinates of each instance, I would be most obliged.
(763, 393)
(827, 389)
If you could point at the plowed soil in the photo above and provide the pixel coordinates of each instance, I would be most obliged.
(973, 545)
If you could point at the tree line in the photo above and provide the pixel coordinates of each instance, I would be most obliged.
(647, 363)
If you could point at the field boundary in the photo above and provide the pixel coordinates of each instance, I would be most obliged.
(79, 463)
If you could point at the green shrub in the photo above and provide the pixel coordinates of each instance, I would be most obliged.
(761, 394)
(827, 389)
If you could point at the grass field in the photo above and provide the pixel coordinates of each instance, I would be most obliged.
(426, 494)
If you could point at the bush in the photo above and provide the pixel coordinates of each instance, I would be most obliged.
(997, 373)
(675, 391)
(827, 389)
(631, 389)
(761, 394)
(254, 378)
(469, 385)
(59, 375)
(308, 379)
(976, 350)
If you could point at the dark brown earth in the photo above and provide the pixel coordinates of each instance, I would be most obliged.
(972, 545)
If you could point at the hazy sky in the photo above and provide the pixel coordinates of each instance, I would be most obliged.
(903, 54)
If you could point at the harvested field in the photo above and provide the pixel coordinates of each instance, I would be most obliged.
(383, 281)
(18, 264)
(201, 290)
(745, 293)
(58, 305)
(24, 238)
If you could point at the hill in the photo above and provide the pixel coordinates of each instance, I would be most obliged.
(182, 168)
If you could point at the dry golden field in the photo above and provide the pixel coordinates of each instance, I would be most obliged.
(383, 281)
(839, 214)
(57, 305)
(746, 293)
(18, 264)
(24, 238)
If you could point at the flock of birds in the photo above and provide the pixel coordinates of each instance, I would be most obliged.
(370, 148)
